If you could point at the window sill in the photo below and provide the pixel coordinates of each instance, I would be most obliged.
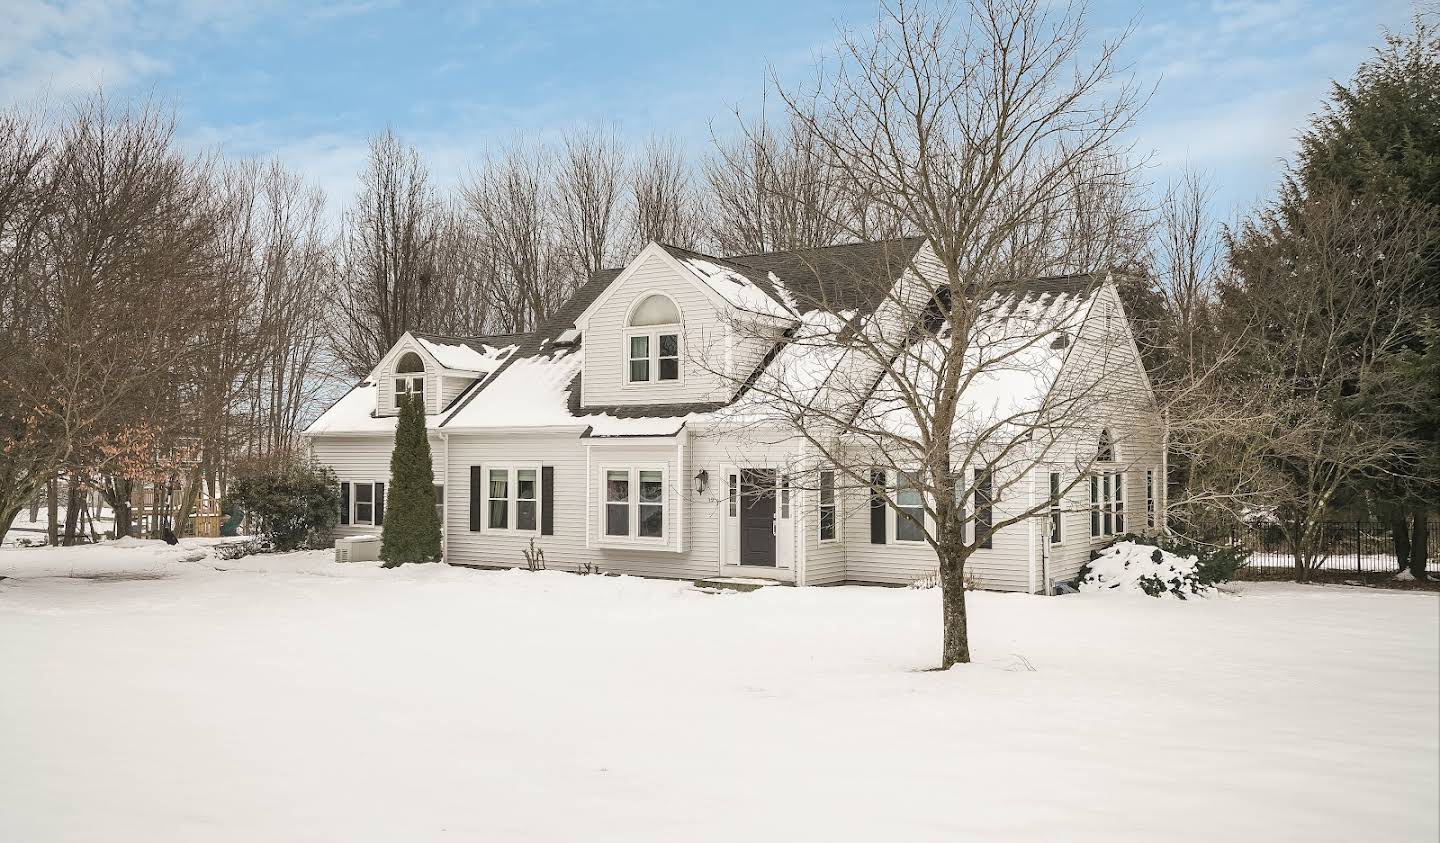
(626, 543)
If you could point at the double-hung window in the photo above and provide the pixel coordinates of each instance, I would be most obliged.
(909, 508)
(1119, 481)
(1057, 517)
(512, 499)
(652, 341)
(984, 505)
(364, 503)
(634, 503)
(1107, 508)
(1094, 506)
(827, 507)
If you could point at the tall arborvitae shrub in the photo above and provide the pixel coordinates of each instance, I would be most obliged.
(412, 528)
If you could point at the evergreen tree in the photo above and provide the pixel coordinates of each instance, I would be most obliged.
(1379, 138)
(412, 527)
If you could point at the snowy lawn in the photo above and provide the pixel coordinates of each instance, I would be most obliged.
(295, 699)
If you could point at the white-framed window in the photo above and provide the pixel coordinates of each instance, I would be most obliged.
(1057, 515)
(984, 485)
(828, 510)
(908, 516)
(1119, 482)
(440, 504)
(410, 378)
(652, 340)
(1149, 497)
(633, 503)
(365, 500)
(784, 495)
(1094, 506)
(1107, 505)
(512, 498)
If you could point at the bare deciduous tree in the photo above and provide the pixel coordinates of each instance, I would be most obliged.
(388, 255)
(663, 204)
(509, 199)
(589, 184)
(971, 125)
(773, 190)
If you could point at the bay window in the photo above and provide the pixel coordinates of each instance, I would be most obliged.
(633, 505)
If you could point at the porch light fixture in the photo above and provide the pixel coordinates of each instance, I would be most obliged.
(702, 482)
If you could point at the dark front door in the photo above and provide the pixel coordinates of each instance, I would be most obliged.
(757, 516)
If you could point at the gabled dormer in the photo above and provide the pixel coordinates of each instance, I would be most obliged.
(435, 368)
(668, 330)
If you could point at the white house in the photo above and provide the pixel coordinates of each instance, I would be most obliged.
(604, 438)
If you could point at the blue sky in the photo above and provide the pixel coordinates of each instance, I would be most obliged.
(308, 82)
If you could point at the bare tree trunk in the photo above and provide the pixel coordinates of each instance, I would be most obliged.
(52, 509)
(187, 499)
(955, 647)
(73, 499)
(1400, 534)
(1420, 545)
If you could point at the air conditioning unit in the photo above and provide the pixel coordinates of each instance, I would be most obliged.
(357, 549)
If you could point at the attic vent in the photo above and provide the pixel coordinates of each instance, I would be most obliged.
(1060, 341)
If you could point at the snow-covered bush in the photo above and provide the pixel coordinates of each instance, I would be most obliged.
(1214, 564)
(1132, 566)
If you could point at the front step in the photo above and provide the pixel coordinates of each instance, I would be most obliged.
(718, 584)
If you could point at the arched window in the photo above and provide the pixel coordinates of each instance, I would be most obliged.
(652, 340)
(410, 378)
(1105, 450)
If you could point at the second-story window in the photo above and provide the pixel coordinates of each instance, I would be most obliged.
(652, 341)
(410, 378)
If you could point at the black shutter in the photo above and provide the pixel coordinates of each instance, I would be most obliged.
(877, 507)
(477, 492)
(547, 500)
(379, 504)
(344, 503)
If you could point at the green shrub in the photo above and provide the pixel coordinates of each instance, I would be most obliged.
(292, 505)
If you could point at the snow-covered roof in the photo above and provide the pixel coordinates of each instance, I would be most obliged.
(535, 391)
(533, 381)
(355, 413)
(743, 293)
(476, 354)
(1009, 369)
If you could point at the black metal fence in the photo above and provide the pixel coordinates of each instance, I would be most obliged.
(1354, 546)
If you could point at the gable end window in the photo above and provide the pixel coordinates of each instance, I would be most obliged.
(652, 341)
(410, 378)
